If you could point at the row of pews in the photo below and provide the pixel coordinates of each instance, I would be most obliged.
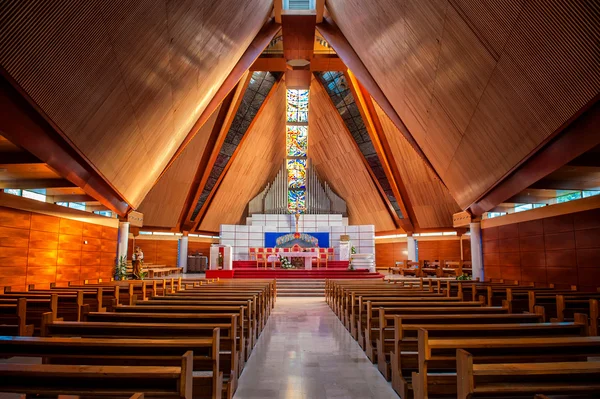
(471, 339)
(435, 268)
(153, 338)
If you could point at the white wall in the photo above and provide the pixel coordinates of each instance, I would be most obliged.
(253, 234)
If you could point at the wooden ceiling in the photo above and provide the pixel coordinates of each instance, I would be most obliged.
(430, 200)
(164, 203)
(480, 85)
(258, 158)
(125, 81)
(339, 162)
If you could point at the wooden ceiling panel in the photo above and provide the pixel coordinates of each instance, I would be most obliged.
(256, 163)
(26, 171)
(339, 162)
(505, 74)
(431, 202)
(163, 204)
(125, 81)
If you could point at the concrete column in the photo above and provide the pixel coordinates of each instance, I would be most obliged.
(182, 256)
(476, 251)
(411, 246)
(123, 239)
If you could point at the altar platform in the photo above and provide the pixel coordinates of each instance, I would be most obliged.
(335, 270)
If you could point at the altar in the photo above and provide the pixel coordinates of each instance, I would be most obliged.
(308, 257)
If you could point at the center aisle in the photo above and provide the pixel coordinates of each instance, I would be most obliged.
(305, 352)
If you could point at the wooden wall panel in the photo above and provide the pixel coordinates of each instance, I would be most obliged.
(51, 249)
(258, 160)
(163, 204)
(546, 250)
(152, 66)
(479, 84)
(387, 253)
(430, 200)
(339, 162)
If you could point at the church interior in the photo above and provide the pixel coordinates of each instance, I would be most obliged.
(299, 199)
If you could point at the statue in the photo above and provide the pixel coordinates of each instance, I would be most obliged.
(137, 261)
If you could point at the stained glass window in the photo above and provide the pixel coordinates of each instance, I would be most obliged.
(296, 199)
(296, 174)
(296, 148)
(297, 141)
(297, 106)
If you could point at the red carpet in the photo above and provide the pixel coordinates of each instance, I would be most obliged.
(335, 270)
(251, 264)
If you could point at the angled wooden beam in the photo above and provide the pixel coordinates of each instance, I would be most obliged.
(17, 158)
(277, 7)
(334, 36)
(260, 42)
(223, 128)
(384, 198)
(72, 198)
(208, 201)
(580, 136)
(194, 192)
(25, 125)
(35, 183)
(375, 131)
(320, 7)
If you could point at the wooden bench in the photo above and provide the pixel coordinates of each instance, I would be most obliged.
(13, 319)
(207, 379)
(228, 344)
(107, 381)
(392, 332)
(491, 380)
(437, 356)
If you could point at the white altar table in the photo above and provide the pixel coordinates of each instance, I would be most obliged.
(308, 256)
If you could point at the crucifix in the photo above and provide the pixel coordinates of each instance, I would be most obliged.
(297, 209)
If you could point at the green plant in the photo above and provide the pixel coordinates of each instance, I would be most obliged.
(220, 260)
(353, 250)
(464, 276)
(121, 268)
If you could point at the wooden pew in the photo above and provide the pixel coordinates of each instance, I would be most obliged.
(253, 315)
(491, 380)
(35, 309)
(207, 379)
(177, 318)
(107, 381)
(368, 325)
(67, 306)
(93, 296)
(437, 356)
(13, 319)
(388, 341)
(228, 344)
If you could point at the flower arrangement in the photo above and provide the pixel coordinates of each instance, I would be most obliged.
(464, 276)
(353, 250)
(285, 263)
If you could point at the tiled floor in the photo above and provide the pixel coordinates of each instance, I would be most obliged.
(305, 352)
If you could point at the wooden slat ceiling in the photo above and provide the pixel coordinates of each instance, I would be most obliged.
(339, 162)
(479, 84)
(256, 163)
(163, 204)
(124, 81)
(431, 202)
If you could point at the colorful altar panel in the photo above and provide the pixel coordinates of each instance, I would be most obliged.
(296, 140)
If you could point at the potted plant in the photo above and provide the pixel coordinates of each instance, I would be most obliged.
(464, 276)
(121, 269)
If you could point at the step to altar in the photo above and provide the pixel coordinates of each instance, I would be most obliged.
(300, 287)
(301, 274)
(252, 264)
